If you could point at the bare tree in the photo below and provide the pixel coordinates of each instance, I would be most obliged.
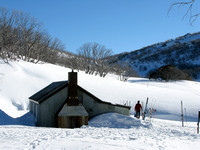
(41, 48)
(189, 4)
(99, 55)
(94, 58)
(124, 71)
(85, 54)
(6, 33)
(28, 34)
(22, 36)
(73, 62)
(118, 70)
(55, 48)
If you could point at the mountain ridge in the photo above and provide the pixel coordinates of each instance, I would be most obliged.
(182, 52)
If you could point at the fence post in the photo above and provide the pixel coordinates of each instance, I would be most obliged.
(198, 123)
(182, 113)
(185, 117)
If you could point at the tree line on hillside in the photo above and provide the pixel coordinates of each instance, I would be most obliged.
(183, 55)
(93, 59)
(169, 72)
(22, 37)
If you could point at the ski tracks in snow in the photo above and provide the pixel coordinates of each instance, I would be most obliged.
(158, 136)
(171, 135)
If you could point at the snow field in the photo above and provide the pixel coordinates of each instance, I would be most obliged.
(160, 134)
(19, 80)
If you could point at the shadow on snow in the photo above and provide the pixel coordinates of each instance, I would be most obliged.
(27, 119)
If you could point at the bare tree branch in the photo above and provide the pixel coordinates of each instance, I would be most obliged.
(21, 37)
(189, 5)
(94, 58)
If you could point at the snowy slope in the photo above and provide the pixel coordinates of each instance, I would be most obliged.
(19, 80)
(182, 52)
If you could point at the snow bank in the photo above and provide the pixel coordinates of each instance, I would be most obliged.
(27, 119)
(19, 80)
(114, 120)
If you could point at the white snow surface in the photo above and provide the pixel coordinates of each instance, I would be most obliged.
(114, 120)
(19, 80)
(158, 135)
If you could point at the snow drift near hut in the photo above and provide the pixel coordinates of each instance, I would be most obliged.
(115, 120)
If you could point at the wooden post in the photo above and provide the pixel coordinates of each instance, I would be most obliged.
(185, 117)
(198, 123)
(182, 113)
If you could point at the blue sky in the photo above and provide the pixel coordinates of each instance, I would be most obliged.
(120, 25)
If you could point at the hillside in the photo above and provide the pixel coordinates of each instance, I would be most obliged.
(182, 52)
(19, 80)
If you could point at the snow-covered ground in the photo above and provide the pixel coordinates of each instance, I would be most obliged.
(158, 135)
(19, 80)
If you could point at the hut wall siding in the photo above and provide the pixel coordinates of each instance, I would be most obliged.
(49, 108)
(31, 107)
(122, 110)
(38, 114)
(86, 100)
(34, 108)
(94, 108)
(72, 121)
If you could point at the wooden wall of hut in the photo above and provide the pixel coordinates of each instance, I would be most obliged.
(72, 121)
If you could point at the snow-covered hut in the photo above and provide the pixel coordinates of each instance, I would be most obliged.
(67, 105)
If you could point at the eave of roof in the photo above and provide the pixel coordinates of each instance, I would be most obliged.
(48, 91)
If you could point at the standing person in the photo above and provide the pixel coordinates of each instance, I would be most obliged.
(138, 106)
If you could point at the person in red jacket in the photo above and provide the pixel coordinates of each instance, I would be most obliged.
(138, 107)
